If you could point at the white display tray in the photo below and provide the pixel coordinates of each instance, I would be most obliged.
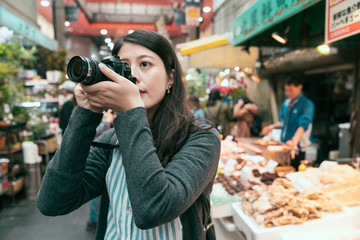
(221, 211)
(332, 226)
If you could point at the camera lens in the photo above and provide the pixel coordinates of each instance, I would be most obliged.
(83, 70)
(86, 71)
(77, 68)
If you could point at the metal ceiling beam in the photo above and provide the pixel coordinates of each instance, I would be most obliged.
(82, 5)
(130, 13)
(124, 12)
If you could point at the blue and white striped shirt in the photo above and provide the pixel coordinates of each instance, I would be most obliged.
(120, 220)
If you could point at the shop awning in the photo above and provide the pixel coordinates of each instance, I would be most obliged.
(265, 14)
(201, 44)
(30, 32)
(226, 56)
(216, 51)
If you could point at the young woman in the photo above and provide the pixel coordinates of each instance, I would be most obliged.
(218, 111)
(244, 112)
(156, 183)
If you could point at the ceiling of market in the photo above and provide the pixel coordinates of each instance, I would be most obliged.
(120, 16)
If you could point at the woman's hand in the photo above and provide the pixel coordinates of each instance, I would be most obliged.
(119, 95)
(240, 103)
(82, 101)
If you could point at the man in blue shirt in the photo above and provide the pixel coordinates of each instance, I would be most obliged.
(296, 117)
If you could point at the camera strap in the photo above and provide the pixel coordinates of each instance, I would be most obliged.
(104, 145)
(111, 145)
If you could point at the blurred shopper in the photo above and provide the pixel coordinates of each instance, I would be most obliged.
(67, 92)
(296, 117)
(157, 180)
(106, 124)
(245, 112)
(67, 89)
(194, 107)
(218, 112)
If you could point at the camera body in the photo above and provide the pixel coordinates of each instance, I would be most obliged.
(86, 71)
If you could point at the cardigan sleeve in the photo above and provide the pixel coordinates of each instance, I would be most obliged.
(157, 194)
(77, 171)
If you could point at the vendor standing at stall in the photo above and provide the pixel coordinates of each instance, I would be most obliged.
(296, 117)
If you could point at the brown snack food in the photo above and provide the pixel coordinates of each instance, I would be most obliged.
(256, 173)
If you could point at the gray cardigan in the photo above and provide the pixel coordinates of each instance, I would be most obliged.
(76, 174)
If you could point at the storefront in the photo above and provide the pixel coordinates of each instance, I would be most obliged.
(27, 130)
(331, 82)
(302, 24)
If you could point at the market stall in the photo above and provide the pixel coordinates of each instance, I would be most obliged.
(257, 193)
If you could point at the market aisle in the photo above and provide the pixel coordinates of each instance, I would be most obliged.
(25, 222)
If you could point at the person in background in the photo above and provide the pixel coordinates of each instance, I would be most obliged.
(106, 124)
(218, 112)
(244, 112)
(156, 174)
(67, 92)
(194, 107)
(296, 117)
(67, 89)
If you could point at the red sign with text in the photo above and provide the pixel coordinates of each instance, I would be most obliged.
(342, 19)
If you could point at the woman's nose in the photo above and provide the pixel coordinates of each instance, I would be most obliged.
(135, 74)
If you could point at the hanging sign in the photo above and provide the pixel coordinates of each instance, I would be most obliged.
(196, 3)
(342, 19)
(179, 17)
(71, 13)
(192, 16)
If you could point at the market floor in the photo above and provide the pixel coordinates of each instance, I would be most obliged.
(23, 221)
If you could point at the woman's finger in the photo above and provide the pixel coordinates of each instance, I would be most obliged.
(109, 73)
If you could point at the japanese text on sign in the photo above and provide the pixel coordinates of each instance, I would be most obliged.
(342, 19)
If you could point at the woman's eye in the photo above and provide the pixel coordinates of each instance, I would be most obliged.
(145, 64)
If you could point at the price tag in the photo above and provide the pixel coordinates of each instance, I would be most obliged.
(270, 166)
(6, 108)
(300, 183)
(327, 165)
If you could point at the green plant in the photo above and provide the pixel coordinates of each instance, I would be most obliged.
(15, 54)
(27, 57)
(13, 58)
(56, 60)
(195, 83)
(7, 69)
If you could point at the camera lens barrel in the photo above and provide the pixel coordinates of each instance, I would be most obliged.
(86, 71)
(83, 70)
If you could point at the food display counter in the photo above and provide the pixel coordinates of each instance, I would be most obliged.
(332, 226)
(265, 198)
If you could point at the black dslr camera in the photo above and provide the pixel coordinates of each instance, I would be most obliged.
(86, 71)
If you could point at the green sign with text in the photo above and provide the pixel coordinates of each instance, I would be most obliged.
(264, 14)
(30, 32)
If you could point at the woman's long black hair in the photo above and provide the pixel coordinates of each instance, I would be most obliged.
(172, 121)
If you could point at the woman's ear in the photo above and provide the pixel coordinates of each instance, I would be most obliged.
(171, 77)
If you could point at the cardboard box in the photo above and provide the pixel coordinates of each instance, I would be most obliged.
(52, 145)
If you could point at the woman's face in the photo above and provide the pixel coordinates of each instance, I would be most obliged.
(149, 71)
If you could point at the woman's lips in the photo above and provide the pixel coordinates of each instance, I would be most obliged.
(142, 92)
